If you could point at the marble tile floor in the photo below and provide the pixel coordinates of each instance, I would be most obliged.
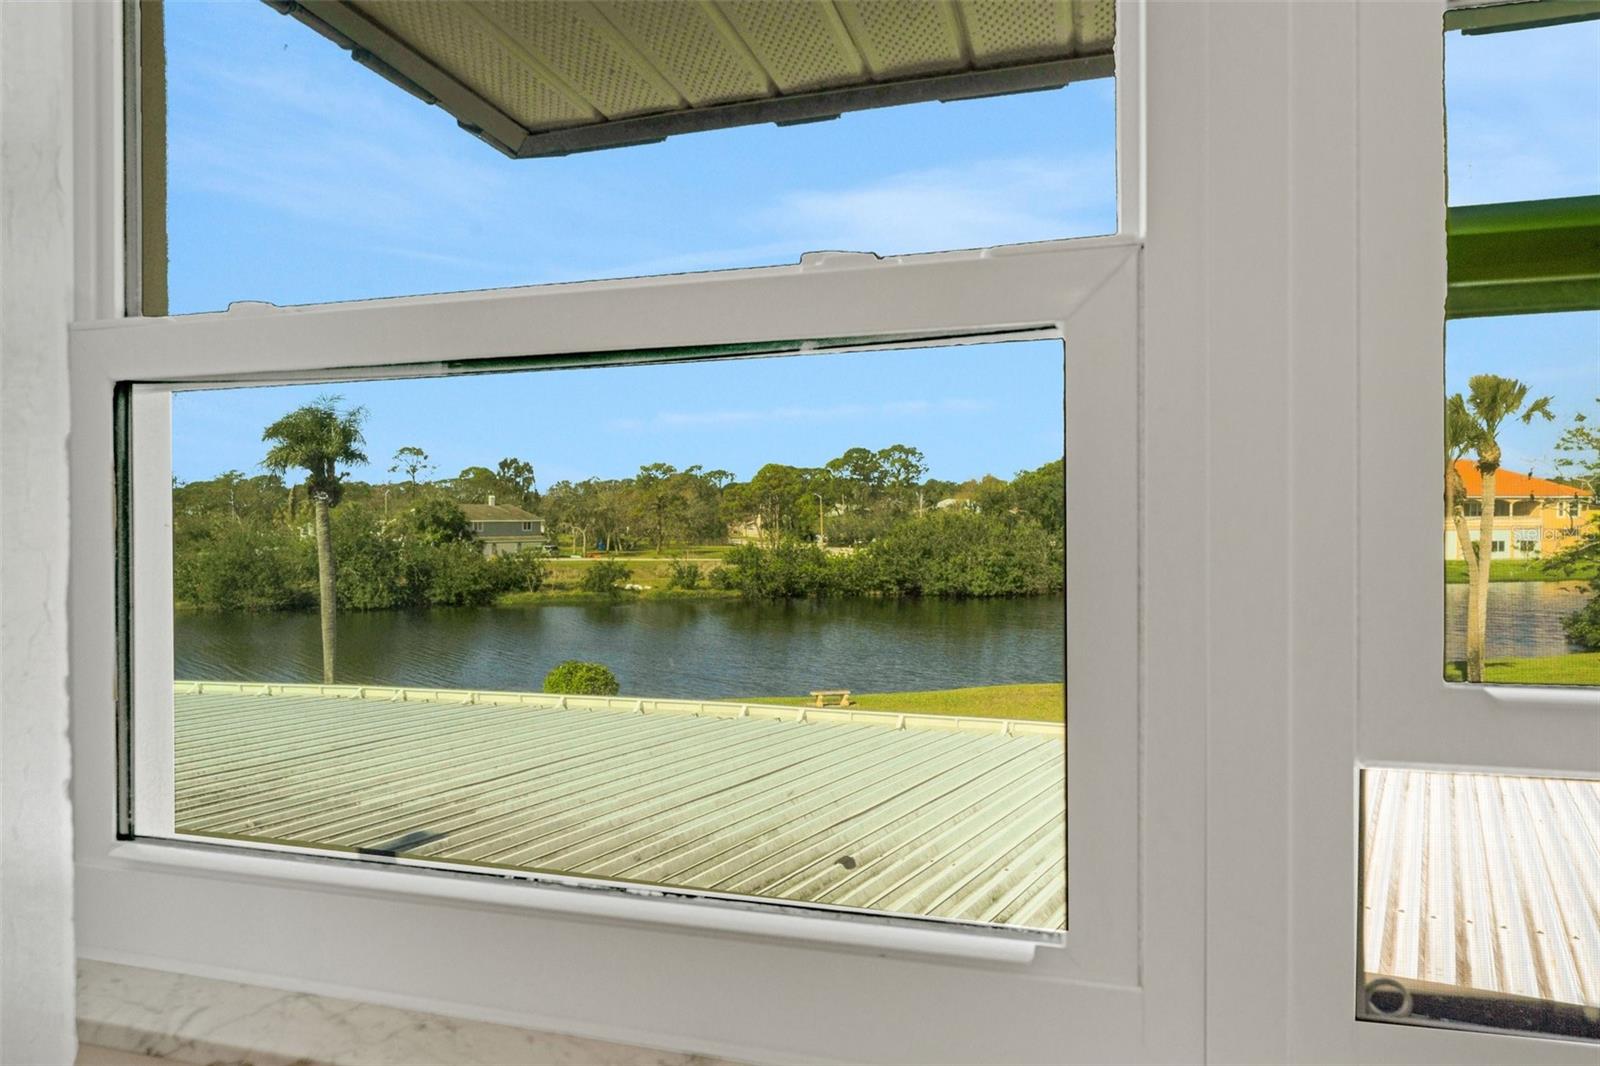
(132, 1016)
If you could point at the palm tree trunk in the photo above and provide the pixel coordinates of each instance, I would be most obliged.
(325, 591)
(1478, 602)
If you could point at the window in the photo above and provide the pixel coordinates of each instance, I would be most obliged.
(1480, 904)
(1521, 374)
(1122, 760)
(1479, 858)
(393, 196)
(870, 718)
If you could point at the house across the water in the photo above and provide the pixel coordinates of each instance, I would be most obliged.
(1533, 517)
(502, 529)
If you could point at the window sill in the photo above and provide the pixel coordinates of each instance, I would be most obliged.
(396, 877)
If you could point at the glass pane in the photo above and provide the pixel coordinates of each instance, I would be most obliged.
(1481, 901)
(1523, 108)
(1534, 381)
(789, 627)
(297, 176)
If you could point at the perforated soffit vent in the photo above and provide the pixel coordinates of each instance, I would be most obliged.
(550, 77)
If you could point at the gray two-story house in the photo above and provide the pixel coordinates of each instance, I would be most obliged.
(502, 529)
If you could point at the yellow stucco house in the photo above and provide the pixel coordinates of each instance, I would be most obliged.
(1532, 517)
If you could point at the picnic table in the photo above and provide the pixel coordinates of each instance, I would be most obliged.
(839, 696)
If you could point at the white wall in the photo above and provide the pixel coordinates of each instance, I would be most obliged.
(36, 302)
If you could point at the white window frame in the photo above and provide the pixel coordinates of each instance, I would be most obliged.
(1509, 728)
(1097, 982)
(1388, 460)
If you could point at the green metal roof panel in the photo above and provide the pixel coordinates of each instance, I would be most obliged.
(955, 818)
(1532, 257)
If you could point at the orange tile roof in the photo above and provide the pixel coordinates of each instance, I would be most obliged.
(1509, 483)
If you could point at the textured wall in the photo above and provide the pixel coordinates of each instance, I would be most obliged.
(36, 956)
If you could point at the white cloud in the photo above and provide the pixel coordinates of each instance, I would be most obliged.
(976, 204)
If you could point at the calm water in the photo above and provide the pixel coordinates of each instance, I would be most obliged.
(698, 649)
(1524, 618)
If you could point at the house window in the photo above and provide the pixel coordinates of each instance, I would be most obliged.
(969, 831)
(827, 775)
(1086, 296)
(527, 527)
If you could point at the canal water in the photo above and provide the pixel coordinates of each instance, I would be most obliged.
(719, 648)
(1524, 618)
(701, 649)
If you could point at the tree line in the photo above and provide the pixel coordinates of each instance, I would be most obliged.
(304, 535)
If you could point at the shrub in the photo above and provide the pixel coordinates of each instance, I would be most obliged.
(1583, 626)
(436, 520)
(790, 569)
(222, 564)
(576, 678)
(521, 571)
(604, 577)
(460, 576)
(683, 575)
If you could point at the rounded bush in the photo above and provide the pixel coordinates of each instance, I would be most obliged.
(575, 678)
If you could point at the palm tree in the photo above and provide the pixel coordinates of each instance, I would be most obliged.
(1473, 425)
(318, 438)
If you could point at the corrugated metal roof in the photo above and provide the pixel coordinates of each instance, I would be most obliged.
(959, 818)
(558, 76)
(1484, 881)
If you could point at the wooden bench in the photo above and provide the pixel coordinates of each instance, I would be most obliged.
(838, 696)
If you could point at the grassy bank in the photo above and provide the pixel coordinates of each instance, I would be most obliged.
(1580, 668)
(1455, 571)
(1034, 703)
(564, 578)
(547, 596)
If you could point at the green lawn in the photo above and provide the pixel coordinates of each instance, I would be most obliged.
(564, 576)
(1455, 571)
(1581, 668)
(1033, 703)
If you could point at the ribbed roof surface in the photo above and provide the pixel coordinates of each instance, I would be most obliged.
(1484, 881)
(527, 75)
(954, 818)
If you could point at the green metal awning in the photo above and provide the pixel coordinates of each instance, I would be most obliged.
(1526, 258)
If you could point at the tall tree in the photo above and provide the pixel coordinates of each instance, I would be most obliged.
(517, 476)
(319, 438)
(1473, 425)
(411, 461)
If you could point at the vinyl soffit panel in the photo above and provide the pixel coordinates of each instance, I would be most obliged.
(549, 77)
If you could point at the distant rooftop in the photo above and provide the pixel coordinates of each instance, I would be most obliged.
(496, 512)
(959, 818)
(1508, 483)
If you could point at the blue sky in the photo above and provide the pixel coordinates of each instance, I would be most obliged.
(297, 176)
(975, 409)
(273, 196)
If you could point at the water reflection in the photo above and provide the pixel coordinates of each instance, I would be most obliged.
(697, 649)
(1524, 618)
